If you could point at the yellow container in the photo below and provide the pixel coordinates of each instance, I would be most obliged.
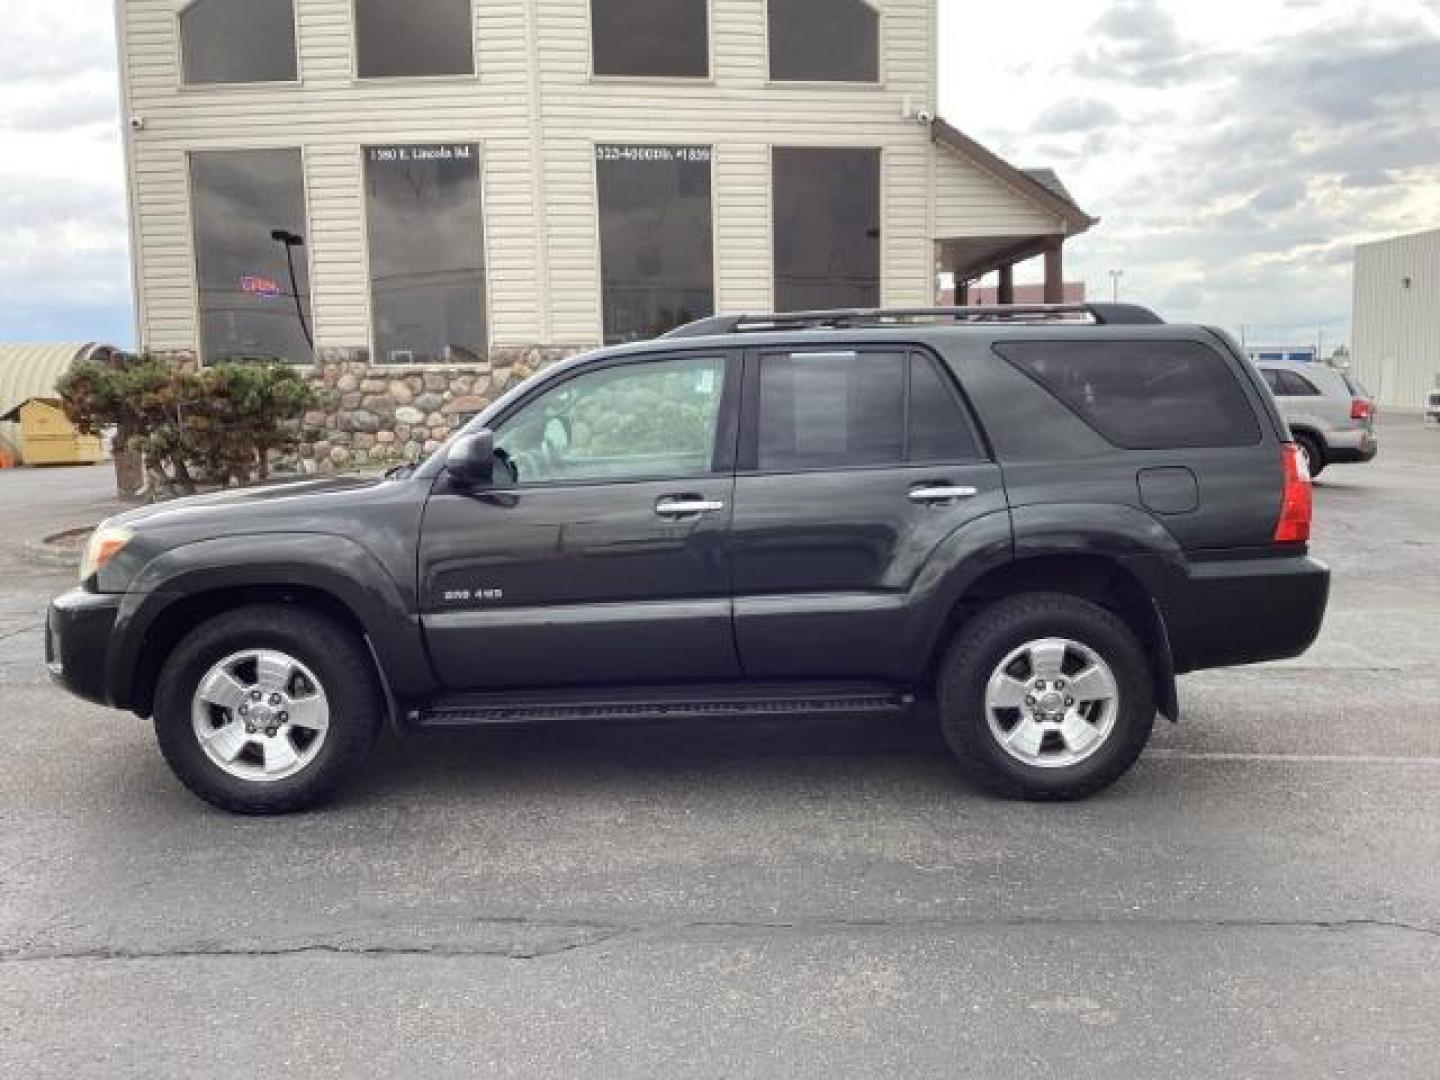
(48, 438)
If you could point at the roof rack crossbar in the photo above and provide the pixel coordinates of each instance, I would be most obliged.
(845, 318)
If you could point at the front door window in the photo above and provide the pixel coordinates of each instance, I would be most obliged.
(635, 421)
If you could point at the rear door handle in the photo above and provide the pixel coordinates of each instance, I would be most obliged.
(687, 506)
(929, 494)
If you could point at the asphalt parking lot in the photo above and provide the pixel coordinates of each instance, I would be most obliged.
(1259, 898)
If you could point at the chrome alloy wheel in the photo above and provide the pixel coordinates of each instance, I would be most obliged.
(260, 715)
(1052, 703)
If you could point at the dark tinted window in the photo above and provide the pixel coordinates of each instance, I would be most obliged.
(249, 308)
(642, 37)
(656, 246)
(824, 41)
(413, 37)
(1293, 385)
(238, 41)
(427, 252)
(1272, 379)
(1143, 395)
(831, 410)
(827, 228)
(939, 430)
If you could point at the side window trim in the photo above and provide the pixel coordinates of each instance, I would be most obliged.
(723, 447)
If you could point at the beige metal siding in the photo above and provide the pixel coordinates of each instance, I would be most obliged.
(972, 202)
(1396, 347)
(537, 113)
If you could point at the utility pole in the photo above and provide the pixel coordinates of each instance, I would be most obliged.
(1115, 276)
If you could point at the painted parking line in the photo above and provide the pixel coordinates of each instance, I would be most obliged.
(1299, 759)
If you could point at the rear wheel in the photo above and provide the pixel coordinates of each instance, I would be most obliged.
(1312, 452)
(267, 710)
(1046, 697)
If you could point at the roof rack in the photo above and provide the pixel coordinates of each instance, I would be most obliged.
(847, 318)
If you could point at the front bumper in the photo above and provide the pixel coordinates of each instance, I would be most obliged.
(1245, 611)
(77, 641)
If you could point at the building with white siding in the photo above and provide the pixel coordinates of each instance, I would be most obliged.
(454, 186)
(1395, 347)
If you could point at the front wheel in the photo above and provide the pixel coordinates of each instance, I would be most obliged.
(1046, 697)
(267, 709)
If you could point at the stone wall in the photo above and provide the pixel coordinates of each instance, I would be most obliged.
(371, 415)
(376, 415)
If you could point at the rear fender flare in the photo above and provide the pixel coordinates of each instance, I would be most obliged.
(1121, 535)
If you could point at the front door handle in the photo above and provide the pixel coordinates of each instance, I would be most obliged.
(930, 494)
(687, 506)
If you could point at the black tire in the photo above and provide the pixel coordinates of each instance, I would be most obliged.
(1314, 453)
(978, 650)
(339, 660)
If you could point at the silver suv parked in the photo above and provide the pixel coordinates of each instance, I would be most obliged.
(1330, 414)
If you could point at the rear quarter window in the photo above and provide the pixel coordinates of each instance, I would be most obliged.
(1143, 395)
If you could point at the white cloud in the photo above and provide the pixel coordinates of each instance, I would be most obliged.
(1256, 141)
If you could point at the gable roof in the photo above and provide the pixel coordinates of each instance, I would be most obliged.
(1042, 186)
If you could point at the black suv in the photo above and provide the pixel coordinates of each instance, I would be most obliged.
(1036, 516)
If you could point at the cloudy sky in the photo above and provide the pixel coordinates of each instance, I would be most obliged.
(1236, 150)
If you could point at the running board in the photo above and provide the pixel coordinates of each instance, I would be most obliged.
(662, 703)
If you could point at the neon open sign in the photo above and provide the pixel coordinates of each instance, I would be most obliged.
(259, 285)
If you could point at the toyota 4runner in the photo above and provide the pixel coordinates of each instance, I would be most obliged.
(1034, 516)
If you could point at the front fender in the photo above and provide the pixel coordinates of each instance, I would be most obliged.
(335, 565)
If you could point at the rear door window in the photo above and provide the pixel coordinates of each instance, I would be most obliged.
(838, 410)
(1143, 395)
(831, 410)
(1293, 385)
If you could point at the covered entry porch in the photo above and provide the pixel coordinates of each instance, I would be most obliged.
(991, 216)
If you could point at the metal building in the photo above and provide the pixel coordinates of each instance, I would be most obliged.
(1396, 346)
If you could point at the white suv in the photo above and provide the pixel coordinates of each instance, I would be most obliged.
(1330, 414)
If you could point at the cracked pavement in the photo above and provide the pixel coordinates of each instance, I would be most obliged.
(1258, 898)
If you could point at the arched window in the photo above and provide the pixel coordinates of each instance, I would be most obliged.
(238, 41)
(824, 41)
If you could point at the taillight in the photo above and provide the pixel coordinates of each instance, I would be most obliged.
(1359, 409)
(1297, 501)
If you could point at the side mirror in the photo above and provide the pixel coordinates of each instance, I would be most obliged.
(471, 458)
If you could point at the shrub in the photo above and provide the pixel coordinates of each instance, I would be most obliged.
(216, 426)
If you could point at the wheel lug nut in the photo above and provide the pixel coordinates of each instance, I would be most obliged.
(274, 699)
(255, 695)
(1059, 684)
(1069, 701)
(284, 717)
(1030, 699)
(244, 708)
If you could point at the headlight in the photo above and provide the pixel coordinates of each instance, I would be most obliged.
(105, 543)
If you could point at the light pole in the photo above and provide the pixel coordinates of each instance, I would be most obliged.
(1115, 276)
(292, 241)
